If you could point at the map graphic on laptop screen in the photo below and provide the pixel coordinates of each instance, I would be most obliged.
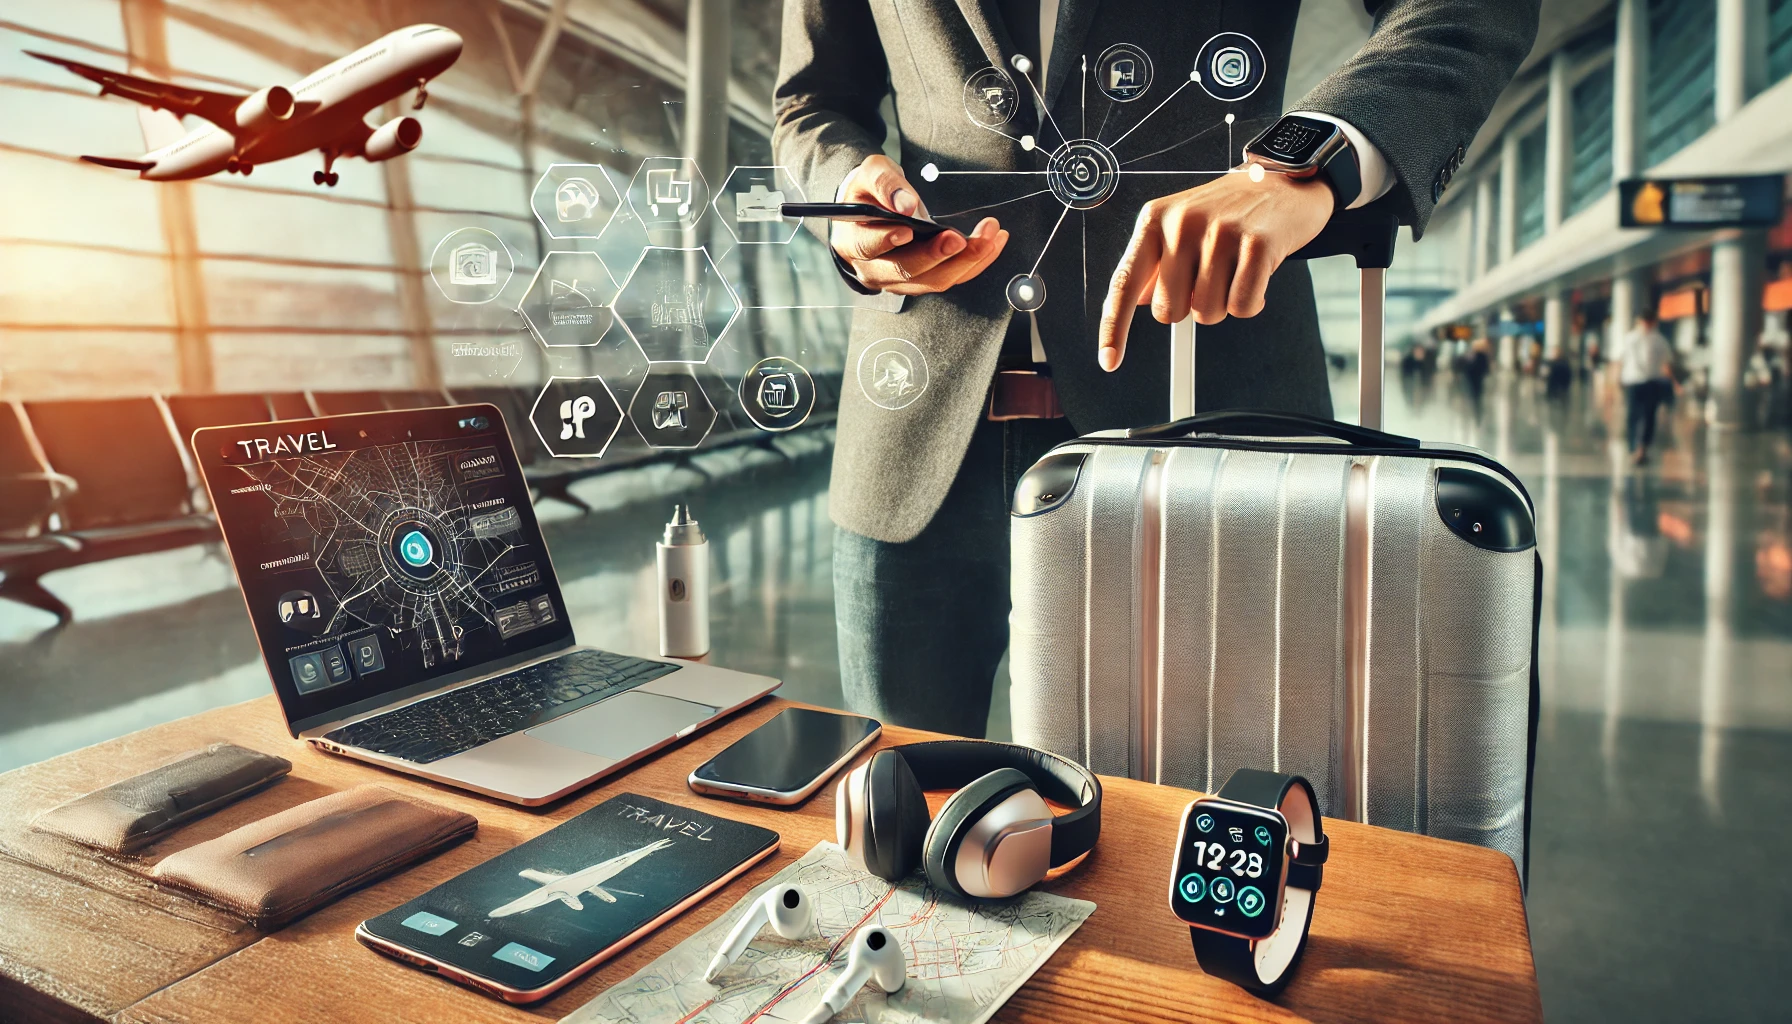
(381, 551)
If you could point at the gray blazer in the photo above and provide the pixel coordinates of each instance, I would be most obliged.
(1418, 91)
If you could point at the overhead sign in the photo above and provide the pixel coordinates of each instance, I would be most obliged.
(1755, 201)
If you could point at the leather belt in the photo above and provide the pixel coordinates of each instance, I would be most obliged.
(1023, 395)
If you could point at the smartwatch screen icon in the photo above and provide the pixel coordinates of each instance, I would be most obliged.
(1262, 835)
(1250, 901)
(1204, 822)
(1222, 889)
(1192, 887)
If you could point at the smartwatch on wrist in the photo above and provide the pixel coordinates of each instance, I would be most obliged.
(1304, 147)
(1248, 866)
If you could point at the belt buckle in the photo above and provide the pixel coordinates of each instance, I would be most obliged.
(1006, 404)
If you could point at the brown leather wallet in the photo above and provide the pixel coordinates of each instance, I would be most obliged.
(130, 814)
(283, 867)
(1023, 395)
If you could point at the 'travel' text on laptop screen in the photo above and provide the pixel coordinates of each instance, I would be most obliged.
(381, 551)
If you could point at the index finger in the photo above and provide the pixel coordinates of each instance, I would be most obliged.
(1132, 280)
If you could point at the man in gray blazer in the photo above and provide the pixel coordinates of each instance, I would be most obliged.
(992, 99)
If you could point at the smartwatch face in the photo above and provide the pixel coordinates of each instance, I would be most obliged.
(1294, 140)
(1229, 869)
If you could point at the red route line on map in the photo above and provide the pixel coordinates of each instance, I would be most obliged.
(833, 951)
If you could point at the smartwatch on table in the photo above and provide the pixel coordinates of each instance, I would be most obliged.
(1248, 866)
(1304, 147)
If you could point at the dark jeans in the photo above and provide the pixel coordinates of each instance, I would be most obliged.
(1640, 403)
(923, 624)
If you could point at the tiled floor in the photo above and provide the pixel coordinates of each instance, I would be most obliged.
(1662, 807)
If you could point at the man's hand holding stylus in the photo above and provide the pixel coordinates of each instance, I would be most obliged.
(1210, 250)
(887, 256)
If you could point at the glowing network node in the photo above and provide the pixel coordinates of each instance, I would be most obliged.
(1026, 292)
(930, 172)
(1027, 143)
(1230, 118)
(1256, 171)
(1021, 64)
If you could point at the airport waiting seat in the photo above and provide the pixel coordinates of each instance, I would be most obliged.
(290, 405)
(132, 492)
(191, 412)
(336, 403)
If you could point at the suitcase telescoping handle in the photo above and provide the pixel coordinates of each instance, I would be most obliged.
(1365, 234)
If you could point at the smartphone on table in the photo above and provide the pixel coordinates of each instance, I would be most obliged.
(786, 760)
(864, 213)
(525, 923)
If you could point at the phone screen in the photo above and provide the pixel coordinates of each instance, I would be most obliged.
(790, 751)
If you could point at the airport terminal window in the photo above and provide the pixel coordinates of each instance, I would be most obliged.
(1681, 93)
(1590, 105)
(1779, 39)
(1531, 147)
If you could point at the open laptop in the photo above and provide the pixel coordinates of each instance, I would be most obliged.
(409, 613)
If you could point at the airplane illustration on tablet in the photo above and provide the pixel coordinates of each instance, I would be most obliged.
(568, 888)
(324, 111)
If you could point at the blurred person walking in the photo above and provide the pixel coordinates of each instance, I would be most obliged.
(1646, 371)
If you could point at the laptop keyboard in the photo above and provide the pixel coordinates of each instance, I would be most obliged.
(462, 719)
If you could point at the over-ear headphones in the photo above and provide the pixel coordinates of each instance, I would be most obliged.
(993, 838)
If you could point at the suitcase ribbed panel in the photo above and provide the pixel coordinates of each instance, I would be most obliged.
(1311, 647)
(1185, 652)
(1398, 509)
(1112, 628)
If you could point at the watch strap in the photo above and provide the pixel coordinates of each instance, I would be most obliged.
(1343, 174)
(1264, 966)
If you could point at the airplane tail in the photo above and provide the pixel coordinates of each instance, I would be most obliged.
(124, 165)
(160, 128)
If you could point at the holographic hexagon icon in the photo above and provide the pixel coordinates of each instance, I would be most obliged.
(676, 305)
(471, 266)
(777, 394)
(749, 201)
(576, 417)
(668, 192)
(575, 200)
(568, 302)
(671, 410)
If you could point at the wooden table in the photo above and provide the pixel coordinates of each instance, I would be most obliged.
(1407, 928)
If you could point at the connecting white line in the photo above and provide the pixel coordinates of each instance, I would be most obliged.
(943, 173)
(1116, 143)
(1049, 119)
(1048, 242)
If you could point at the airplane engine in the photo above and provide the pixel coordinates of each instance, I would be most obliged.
(394, 138)
(264, 109)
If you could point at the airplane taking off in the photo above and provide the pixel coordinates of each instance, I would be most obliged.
(325, 111)
(567, 888)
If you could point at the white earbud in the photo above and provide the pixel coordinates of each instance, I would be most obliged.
(876, 957)
(786, 908)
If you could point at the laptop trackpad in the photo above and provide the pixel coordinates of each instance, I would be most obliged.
(624, 725)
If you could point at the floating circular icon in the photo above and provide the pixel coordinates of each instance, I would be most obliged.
(568, 301)
(471, 266)
(750, 202)
(777, 394)
(892, 372)
(1230, 66)
(676, 305)
(990, 98)
(575, 200)
(413, 547)
(1204, 822)
(668, 192)
(300, 610)
(1026, 292)
(1123, 72)
(576, 417)
(1082, 174)
(671, 410)
(1192, 887)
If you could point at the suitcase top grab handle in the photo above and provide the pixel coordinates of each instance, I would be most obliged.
(1271, 424)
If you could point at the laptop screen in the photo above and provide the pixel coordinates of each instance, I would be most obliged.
(382, 554)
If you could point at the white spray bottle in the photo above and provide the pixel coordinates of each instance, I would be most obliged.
(684, 587)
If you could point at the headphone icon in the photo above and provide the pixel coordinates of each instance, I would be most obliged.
(575, 199)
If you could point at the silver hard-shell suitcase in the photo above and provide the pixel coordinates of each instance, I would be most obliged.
(1243, 589)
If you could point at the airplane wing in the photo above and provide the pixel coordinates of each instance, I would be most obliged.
(601, 893)
(541, 877)
(217, 107)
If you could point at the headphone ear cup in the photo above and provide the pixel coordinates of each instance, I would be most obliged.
(958, 816)
(895, 817)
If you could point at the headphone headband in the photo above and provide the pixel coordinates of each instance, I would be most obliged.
(950, 764)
